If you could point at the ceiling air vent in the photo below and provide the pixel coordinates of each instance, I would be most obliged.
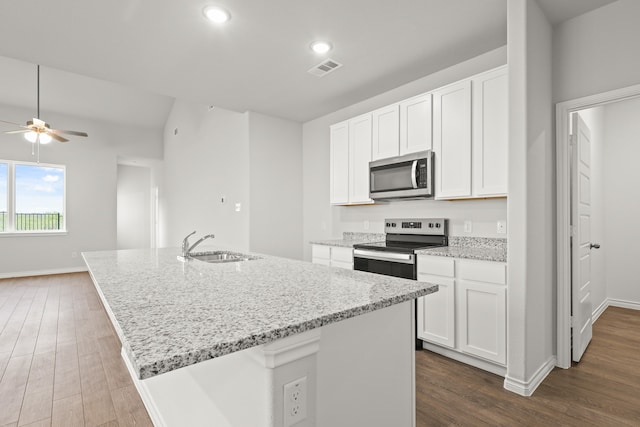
(325, 67)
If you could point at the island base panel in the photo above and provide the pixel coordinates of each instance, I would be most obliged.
(360, 371)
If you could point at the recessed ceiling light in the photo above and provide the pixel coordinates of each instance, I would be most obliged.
(216, 14)
(321, 47)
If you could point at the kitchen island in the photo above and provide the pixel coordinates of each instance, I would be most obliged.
(214, 344)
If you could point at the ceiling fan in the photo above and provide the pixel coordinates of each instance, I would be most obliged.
(38, 131)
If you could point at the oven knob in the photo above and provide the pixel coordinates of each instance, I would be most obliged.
(430, 225)
(438, 225)
(388, 224)
(393, 224)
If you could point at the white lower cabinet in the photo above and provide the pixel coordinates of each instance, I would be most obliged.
(468, 314)
(334, 256)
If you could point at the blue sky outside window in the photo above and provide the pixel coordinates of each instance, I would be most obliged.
(39, 189)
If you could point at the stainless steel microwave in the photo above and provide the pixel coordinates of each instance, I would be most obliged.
(404, 177)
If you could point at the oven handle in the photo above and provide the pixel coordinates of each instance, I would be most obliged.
(384, 256)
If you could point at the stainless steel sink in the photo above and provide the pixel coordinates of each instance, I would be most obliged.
(221, 256)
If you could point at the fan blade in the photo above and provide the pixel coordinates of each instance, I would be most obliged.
(12, 123)
(69, 132)
(18, 131)
(56, 137)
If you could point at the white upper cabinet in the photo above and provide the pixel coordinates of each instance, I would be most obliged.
(416, 124)
(339, 163)
(386, 132)
(359, 158)
(350, 154)
(490, 133)
(452, 140)
(465, 124)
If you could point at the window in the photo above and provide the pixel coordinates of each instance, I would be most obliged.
(32, 197)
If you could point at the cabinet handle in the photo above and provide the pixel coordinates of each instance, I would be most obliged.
(594, 246)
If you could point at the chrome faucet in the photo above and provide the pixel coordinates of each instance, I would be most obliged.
(186, 249)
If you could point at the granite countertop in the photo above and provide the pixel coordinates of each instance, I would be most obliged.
(466, 252)
(171, 314)
(351, 238)
(480, 248)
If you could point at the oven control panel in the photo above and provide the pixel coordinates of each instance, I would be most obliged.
(430, 226)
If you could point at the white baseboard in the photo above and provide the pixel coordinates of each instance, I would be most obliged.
(43, 272)
(599, 310)
(623, 303)
(526, 388)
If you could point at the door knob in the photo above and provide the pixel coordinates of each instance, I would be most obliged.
(594, 246)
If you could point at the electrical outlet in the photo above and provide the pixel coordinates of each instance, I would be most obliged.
(366, 225)
(238, 206)
(502, 227)
(295, 401)
(468, 226)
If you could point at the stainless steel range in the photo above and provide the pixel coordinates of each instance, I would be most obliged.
(395, 256)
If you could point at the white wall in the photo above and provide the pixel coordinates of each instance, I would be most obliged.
(275, 147)
(622, 204)
(531, 253)
(91, 175)
(206, 161)
(321, 221)
(134, 207)
(244, 158)
(594, 119)
(597, 52)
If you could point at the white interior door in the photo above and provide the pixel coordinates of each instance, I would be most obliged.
(581, 309)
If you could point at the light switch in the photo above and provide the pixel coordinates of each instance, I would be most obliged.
(468, 226)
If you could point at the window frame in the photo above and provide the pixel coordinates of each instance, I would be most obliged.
(10, 229)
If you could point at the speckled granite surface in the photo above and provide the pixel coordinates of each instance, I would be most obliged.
(351, 238)
(480, 248)
(171, 314)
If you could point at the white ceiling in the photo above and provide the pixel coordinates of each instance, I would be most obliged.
(558, 11)
(124, 60)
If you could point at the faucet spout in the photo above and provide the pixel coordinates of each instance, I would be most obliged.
(208, 236)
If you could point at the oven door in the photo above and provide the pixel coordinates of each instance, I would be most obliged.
(387, 263)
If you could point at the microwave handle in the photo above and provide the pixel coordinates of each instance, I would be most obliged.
(414, 166)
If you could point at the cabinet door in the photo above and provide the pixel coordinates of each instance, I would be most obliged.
(436, 312)
(386, 133)
(415, 124)
(339, 163)
(359, 156)
(482, 323)
(490, 129)
(452, 140)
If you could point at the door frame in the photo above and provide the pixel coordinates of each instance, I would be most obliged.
(563, 206)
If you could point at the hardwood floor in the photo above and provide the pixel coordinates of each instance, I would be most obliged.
(60, 361)
(60, 365)
(602, 390)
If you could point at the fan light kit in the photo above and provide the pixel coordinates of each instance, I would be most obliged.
(37, 131)
(320, 47)
(216, 14)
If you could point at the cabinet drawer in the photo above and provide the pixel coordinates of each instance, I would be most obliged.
(439, 266)
(483, 271)
(342, 254)
(320, 251)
